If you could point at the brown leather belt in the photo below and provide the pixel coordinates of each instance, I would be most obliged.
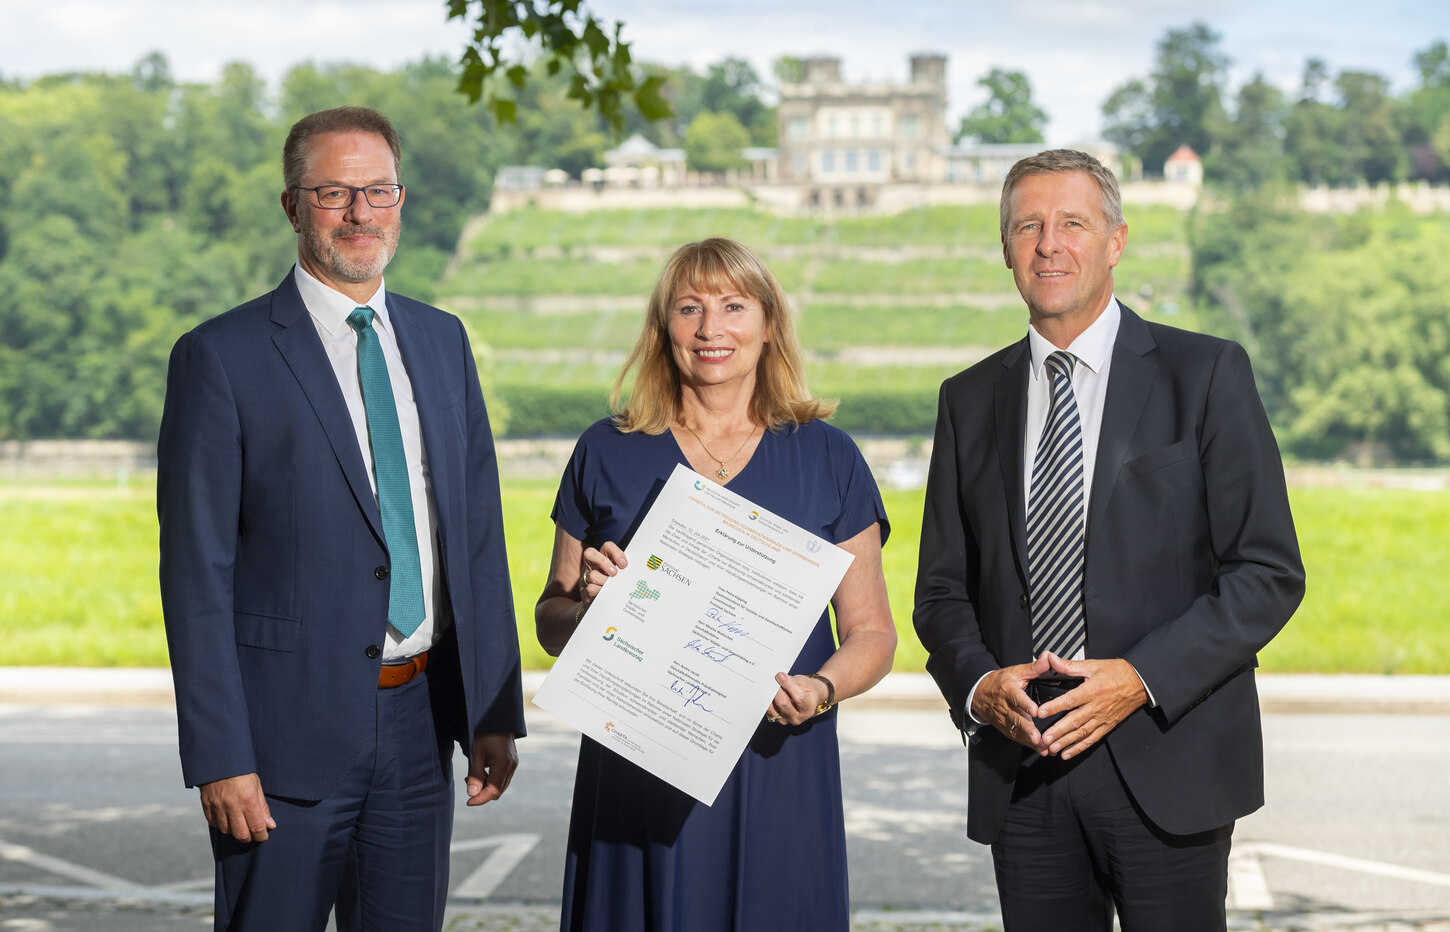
(396, 674)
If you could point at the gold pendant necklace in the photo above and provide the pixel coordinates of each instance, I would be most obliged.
(722, 472)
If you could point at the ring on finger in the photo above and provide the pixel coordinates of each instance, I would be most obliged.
(584, 579)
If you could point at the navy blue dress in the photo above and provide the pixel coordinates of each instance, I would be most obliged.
(771, 852)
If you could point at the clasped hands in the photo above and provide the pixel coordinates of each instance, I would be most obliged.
(1111, 691)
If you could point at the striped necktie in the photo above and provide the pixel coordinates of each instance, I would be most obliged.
(1055, 522)
(395, 499)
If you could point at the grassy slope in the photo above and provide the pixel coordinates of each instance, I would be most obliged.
(933, 277)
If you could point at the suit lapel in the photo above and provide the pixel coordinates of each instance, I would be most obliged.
(300, 346)
(1130, 379)
(1010, 404)
(425, 370)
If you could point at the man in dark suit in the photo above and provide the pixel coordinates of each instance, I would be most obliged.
(1106, 545)
(333, 573)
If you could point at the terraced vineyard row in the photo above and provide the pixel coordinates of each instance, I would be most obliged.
(886, 306)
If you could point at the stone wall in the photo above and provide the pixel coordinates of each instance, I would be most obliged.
(895, 198)
(1421, 197)
(44, 459)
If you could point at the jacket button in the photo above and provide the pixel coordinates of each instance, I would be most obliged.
(1024, 601)
(374, 652)
(381, 572)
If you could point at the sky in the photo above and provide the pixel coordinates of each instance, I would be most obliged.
(1074, 52)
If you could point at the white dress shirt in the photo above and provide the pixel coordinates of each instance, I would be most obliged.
(329, 310)
(1094, 351)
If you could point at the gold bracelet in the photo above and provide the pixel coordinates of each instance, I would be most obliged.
(578, 613)
(830, 693)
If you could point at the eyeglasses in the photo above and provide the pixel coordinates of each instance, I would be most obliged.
(341, 196)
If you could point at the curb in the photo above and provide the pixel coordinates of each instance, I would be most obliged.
(1279, 693)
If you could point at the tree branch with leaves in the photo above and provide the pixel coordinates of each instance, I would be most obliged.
(567, 37)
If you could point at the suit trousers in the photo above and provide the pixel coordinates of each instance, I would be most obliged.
(377, 846)
(1075, 847)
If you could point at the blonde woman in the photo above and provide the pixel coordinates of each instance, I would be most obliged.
(719, 386)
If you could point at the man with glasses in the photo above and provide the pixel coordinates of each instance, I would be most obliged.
(333, 574)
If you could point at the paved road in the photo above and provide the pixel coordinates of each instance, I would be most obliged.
(97, 834)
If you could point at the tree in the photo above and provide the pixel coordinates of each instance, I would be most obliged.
(1182, 105)
(600, 67)
(713, 142)
(1313, 137)
(1427, 115)
(1128, 113)
(732, 86)
(1251, 152)
(1346, 320)
(1008, 115)
(788, 69)
(1373, 148)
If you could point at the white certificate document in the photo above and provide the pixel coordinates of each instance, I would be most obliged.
(674, 664)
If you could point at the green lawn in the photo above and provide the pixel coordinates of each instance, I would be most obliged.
(528, 277)
(1377, 590)
(534, 331)
(829, 378)
(944, 225)
(518, 232)
(933, 276)
(826, 327)
(80, 576)
(510, 233)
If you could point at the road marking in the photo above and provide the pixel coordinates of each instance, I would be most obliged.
(179, 886)
(1360, 865)
(127, 894)
(509, 850)
(54, 865)
(1247, 888)
(896, 918)
(92, 740)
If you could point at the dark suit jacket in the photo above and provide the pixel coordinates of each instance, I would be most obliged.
(271, 544)
(1192, 566)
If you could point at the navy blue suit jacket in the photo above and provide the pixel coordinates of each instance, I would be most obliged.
(271, 544)
(1192, 566)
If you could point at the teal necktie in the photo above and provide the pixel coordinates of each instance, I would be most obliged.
(395, 499)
